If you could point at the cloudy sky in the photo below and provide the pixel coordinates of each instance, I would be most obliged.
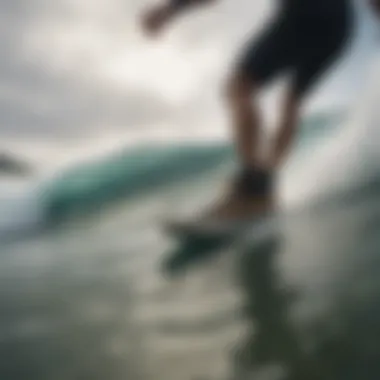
(80, 73)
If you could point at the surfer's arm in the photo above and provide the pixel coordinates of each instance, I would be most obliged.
(158, 17)
(181, 5)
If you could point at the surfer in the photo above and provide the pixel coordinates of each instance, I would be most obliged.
(303, 39)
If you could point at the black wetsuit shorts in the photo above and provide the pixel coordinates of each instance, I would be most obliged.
(303, 39)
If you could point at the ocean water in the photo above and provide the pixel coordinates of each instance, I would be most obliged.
(33, 202)
(91, 288)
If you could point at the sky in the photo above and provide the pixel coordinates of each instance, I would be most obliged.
(80, 75)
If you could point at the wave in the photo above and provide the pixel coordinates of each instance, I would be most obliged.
(127, 173)
(135, 173)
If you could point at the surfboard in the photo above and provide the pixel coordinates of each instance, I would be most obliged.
(206, 229)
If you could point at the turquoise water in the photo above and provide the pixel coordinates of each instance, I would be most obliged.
(110, 296)
(133, 173)
(130, 174)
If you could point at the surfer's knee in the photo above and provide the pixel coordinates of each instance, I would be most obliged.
(239, 90)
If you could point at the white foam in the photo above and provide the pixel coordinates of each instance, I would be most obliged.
(20, 205)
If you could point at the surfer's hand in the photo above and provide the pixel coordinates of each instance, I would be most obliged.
(155, 19)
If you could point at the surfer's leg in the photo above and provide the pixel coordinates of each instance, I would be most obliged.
(271, 54)
(287, 128)
(242, 100)
(317, 52)
(262, 60)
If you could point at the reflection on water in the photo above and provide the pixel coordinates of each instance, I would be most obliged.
(115, 299)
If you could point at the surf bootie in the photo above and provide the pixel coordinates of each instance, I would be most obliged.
(248, 200)
(250, 195)
(254, 182)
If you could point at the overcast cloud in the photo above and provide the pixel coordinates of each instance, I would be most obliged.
(74, 69)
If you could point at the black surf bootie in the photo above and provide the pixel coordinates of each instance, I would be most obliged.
(253, 182)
